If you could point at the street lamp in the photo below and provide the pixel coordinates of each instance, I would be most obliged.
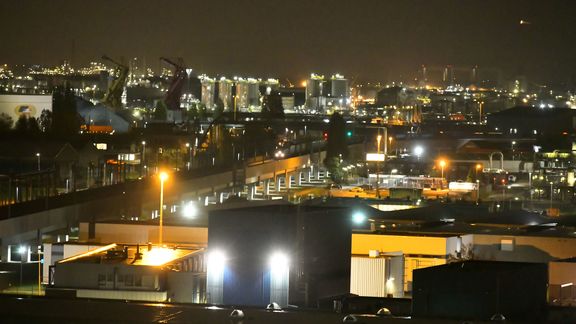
(378, 140)
(163, 177)
(38, 156)
(144, 154)
(478, 167)
(189, 155)
(418, 150)
(39, 268)
(442, 165)
(477, 190)
(551, 192)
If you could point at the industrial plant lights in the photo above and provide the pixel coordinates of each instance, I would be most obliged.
(216, 259)
(279, 261)
(358, 217)
(190, 210)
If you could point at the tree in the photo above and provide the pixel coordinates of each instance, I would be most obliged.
(65, 119)
(259, 139)
(6, 122)
(334, 166)
(21, 125)
(46, 121)
(27, 125)
(336, 147)
(272, 106)
(218, 108)
(33, 127)
(160, 112)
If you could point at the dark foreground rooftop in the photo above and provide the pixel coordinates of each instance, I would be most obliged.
(14, 309)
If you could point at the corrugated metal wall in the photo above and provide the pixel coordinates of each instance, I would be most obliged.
(368, 276)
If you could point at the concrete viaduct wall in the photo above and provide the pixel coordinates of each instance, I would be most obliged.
(127, 199)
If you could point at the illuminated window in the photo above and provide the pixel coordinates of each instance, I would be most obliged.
(507, 244)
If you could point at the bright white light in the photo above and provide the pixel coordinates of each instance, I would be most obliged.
(22, 249)
(158, 256)
(358, 217)
(279, 261)
(418, 150)
(216, 259)
(190, 210)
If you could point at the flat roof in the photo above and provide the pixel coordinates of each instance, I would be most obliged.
(138, 255)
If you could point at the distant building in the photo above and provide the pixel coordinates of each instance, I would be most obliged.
(562, 276)
(339, 95)
(262, 254)
(269, 85)
(247, 95)
(208, 92)
(531, 122)
(24, 105)
(448, 78)
(292, 98)
(315, 92)
(143, 232)
(395, 97)
(132, 272)
(482, 290)
(226, 93)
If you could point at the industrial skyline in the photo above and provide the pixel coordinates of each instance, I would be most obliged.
(370, 40)
(279, 162)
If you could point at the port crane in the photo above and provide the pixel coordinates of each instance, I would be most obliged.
(174, 93)
(113, 96)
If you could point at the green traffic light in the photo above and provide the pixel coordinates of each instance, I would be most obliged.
(349, 133)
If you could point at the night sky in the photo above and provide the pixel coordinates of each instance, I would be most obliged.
(364, 39)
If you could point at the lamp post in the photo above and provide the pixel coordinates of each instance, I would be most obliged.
(38, 157)
(144, 155)
(551, 192)
(442, 165)
(378, 140)
(530, 184)
(477, 190)
(513, 143)
(163, 177)
(39, 268)
(189, 155)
